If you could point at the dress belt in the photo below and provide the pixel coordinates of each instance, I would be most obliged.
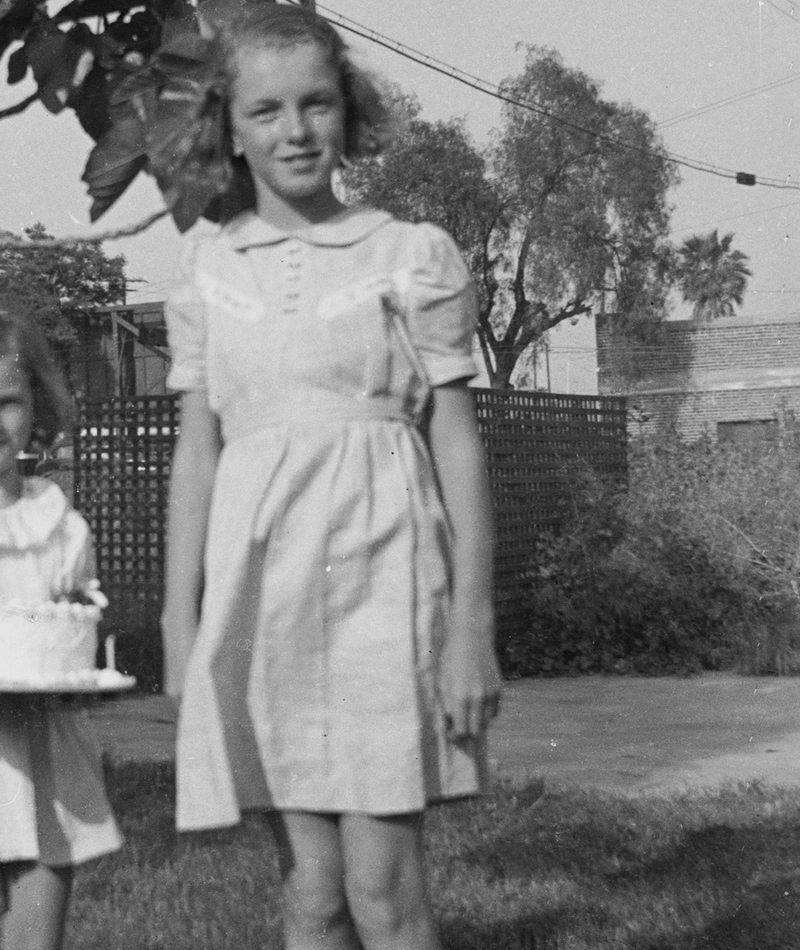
(311, 406)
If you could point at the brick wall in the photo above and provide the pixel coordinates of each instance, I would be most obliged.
(692, 377)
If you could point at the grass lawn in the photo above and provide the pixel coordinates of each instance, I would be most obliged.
(575, 871)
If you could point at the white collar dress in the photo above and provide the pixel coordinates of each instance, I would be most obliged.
(51, 784)
(313, 682)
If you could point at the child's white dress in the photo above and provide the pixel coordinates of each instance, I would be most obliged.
(312, 685)
(53, 806)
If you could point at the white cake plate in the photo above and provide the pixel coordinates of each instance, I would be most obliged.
(90, 681)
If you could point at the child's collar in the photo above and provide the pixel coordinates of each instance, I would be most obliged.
(350, 227)
(29, 522)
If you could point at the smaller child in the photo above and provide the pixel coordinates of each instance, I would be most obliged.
(54, 811)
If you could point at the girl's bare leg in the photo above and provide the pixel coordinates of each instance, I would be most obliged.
(315, 906)
(37, 906)
(385, 882)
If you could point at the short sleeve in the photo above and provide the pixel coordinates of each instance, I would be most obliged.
(443, 307)
(186, 327)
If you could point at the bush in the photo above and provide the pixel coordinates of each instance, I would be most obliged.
(692, 567)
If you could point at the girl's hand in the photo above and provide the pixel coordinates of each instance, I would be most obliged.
(469, 673)
(178, 635)
(470, 684)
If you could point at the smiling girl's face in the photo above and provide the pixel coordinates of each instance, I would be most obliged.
(16, 419)
(288, 121)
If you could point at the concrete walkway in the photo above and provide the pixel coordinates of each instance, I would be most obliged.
(624, 734)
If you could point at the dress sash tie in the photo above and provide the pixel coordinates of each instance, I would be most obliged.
(312, 406)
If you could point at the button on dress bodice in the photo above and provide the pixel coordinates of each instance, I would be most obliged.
(294, 262)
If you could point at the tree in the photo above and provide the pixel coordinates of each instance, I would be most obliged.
(137, 76)
(711, 275)
(435, 173)
(559, 217)
(54, 284)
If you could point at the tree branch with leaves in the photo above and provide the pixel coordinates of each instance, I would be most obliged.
(555, 219)
(142, 81)
(54, 285)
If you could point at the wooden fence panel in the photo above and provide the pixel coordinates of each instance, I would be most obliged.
(535, 443)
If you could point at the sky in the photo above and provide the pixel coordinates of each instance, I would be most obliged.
(667, 57)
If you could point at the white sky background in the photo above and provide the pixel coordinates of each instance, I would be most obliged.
(664, 56)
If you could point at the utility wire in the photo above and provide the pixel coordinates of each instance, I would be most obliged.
(490, 89)
(730, 100)
(735, 217)
(786, 13)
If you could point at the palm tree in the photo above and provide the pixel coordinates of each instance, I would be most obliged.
(711, 275)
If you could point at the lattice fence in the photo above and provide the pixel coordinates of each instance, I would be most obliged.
(122, 454)
(535, 443)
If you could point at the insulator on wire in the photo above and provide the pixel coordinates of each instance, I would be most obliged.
(745, 178)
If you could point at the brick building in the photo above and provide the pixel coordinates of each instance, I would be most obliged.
(735, 378)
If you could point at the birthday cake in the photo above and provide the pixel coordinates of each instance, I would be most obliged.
(54, 642)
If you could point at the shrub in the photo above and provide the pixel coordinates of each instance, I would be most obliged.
(692, 567)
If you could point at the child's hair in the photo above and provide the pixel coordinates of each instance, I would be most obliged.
(53, 407)
(369, 119)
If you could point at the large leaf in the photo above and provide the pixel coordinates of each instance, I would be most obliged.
(16, 16)
(11, 9)
(137, 93)
(83, 9)
(60, 62)
(92, 101)
(180, 20)
(172, 111)
(189, 61)
(17, 66)
(114, 163)
(137, 33)
(186, 142)
(194, 168)
(121, 153)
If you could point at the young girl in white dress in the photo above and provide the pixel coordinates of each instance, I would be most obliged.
(329, 556)
(53, 808)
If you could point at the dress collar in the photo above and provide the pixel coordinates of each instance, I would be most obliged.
(29, 522)
(349, 227)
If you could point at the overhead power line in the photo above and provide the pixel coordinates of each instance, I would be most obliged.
(786, 13)
(729, 101)
(491, 89)
(735, 217)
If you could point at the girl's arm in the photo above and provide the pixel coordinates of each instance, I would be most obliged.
(470, 676)
(194, 466)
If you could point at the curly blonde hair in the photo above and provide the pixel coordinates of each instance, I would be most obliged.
(369, 118)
